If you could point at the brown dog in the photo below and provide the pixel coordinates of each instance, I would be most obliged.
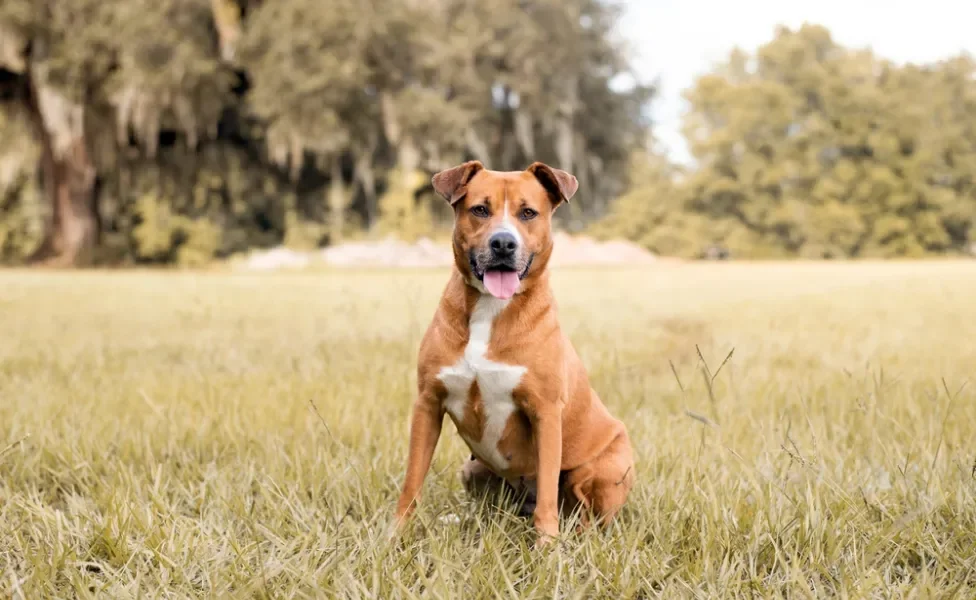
(496, 361)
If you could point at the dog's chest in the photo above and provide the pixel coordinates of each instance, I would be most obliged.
(479, 390)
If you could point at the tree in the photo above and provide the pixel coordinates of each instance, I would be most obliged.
(94, 66)
(181, 130)
(809, 149)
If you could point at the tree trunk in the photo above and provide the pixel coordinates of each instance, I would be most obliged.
(476, 146)
(388, 112)
(524, 134)
(408, 161)
(227, 20)
(336, 202)
(367, 178)
(507, 135)
(68, 178)
(566, 156)
(407, 153)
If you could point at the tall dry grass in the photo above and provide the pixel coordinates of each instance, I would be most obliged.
(802, 430)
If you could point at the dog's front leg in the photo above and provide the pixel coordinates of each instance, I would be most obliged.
(547, 425)
(425, 429)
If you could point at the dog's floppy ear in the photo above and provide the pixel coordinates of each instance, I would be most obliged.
(452, 183)
(557, 182)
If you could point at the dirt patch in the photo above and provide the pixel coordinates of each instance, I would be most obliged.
(388, 252)
(583, 250)
(391, 252)
(276, 259)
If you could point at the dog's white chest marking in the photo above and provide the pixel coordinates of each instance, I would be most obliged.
(496, 381)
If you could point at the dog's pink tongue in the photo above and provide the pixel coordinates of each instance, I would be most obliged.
(501, 284)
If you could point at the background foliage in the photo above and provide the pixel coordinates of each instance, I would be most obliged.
(180, 130)
(242, 124)
(809, 149)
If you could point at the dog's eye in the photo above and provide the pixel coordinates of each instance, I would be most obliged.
(528, 214)
(480, 211)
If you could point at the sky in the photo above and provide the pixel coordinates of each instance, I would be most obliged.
(673, 41)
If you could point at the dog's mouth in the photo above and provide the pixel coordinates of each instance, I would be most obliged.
(501, 279)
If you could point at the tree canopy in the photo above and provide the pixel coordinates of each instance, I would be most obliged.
(181, 130)
(806, 148)
(157, 131)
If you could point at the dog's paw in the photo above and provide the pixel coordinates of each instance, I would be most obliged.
(548, 534)
(451, 519)
(391, 532)
(395, 528)
(545, 541)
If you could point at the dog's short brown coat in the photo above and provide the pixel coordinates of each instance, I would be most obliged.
(560, 436)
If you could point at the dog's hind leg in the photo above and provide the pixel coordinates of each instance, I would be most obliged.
(603, 485)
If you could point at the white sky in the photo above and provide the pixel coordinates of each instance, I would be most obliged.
(676, 40)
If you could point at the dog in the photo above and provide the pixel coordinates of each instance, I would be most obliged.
(495, 360)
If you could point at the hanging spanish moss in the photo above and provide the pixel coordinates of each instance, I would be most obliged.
(176, 131)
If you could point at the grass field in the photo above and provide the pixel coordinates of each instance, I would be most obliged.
(217, 435)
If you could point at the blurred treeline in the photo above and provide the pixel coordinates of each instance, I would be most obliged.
(182, 130)
(808, 149)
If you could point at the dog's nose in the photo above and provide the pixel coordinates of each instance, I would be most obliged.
(503, 244)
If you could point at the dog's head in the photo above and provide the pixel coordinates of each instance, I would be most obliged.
(503, 222)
